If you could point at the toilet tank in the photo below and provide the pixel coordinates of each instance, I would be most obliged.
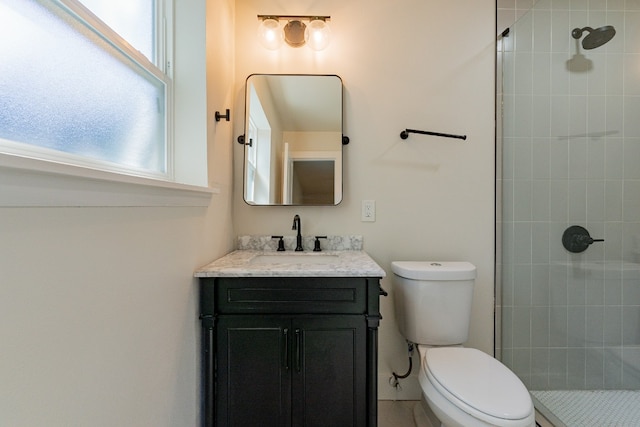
(433, 300)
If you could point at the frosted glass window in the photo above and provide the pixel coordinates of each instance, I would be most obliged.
(133, 20)
(67, 89)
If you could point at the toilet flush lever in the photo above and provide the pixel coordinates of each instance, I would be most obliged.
(576, 239)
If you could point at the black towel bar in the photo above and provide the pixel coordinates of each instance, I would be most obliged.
(405, 134)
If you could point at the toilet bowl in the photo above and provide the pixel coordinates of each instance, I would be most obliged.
(463, 387)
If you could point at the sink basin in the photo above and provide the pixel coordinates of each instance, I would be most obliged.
(306, 258)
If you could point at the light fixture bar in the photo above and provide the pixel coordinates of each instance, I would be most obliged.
(296, 33)
(308, 17)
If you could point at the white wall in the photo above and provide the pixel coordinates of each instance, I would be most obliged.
(405, 64)
(98, 306)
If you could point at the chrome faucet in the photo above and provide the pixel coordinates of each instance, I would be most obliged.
(298, 226)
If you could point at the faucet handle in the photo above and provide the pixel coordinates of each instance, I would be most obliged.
(316, 246)
(280, 242)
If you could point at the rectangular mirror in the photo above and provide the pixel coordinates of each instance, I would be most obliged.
(293, 140)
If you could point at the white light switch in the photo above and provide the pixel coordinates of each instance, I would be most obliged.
(368, 210)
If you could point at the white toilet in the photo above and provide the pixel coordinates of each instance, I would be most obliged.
(462, 387)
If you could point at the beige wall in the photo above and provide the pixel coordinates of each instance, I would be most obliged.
(98, 306)
(99, 310)
(404, 64)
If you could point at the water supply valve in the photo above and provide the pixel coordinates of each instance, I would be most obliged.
(280, 242)
(316, 245)
(576, 239)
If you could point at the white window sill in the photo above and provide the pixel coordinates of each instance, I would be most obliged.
(26, 182)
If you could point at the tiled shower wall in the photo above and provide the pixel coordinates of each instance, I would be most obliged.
(570, 155)
(509, 11)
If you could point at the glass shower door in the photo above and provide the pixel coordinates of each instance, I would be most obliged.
(569, 155)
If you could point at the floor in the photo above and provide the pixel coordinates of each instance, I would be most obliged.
(396, 413)
(592, 408)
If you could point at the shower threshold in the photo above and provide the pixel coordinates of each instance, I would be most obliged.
(589, 408)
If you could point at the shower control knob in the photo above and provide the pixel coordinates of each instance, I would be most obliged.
(576, 239)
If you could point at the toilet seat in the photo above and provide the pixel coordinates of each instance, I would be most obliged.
(477, 384)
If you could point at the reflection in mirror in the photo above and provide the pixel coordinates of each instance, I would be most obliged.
(312, 182)
(293, 140)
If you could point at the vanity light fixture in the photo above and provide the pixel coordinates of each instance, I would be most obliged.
(316, 33)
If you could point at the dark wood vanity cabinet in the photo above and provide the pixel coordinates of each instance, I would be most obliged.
(283, 351)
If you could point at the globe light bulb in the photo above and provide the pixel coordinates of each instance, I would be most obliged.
(270, 34)
(317, 34)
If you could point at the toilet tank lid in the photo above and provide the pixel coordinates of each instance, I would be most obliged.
(434, 270)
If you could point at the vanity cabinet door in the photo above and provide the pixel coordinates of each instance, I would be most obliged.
(253, 372)
(278, 371)
(329, 371)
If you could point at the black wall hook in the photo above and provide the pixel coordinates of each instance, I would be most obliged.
(219, 116)
(405, 134)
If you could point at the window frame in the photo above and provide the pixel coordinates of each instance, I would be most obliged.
(161, 71)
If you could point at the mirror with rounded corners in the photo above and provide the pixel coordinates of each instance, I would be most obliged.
(293, 140)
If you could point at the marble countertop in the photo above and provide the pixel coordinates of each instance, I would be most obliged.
(245, 263)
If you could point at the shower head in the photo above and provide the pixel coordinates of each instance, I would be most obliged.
(595, 38)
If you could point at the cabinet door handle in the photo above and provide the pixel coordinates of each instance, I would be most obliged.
(298, 349)
(286, 348)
